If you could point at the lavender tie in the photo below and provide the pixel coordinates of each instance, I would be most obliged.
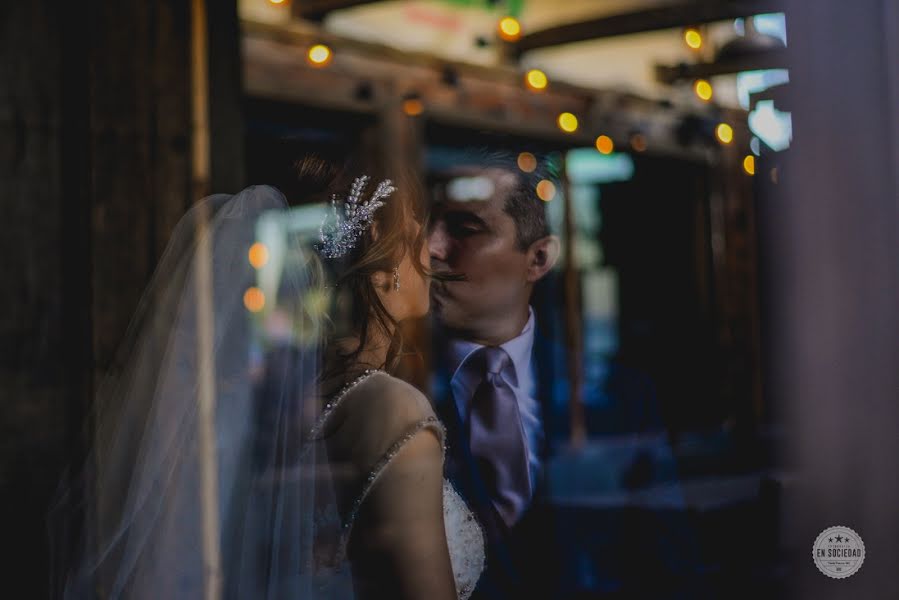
(497, 438)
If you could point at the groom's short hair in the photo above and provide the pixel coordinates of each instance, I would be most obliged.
(522, 203)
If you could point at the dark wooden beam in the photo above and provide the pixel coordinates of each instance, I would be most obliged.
(483, 98)
(768, 59)
(777, 93)
(652, 19)
(315, 10)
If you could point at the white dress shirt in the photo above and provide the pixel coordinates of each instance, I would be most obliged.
(519, 375)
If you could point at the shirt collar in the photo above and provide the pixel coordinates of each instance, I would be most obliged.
(519, 348)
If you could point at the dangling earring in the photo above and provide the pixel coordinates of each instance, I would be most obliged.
(396, 279)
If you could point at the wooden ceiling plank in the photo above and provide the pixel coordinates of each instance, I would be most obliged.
(653, 19)
(315, 10)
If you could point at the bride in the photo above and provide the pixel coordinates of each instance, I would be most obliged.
(397, 506)
(250, 451)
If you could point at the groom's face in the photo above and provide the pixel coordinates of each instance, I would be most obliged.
(472, 235)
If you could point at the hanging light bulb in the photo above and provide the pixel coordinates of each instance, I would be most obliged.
(638, 142)
(536, 80)
(412, 105)
(509, 29)
(724, 133)
(604, 144)
(703, 89)
(567, 122)
(254, 299)
(546, 191)
(319, 55)
(693, 38)
(527, 162)
(749, 164)
(258, 255)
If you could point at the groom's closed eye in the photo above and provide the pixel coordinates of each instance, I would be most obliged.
(462, 224)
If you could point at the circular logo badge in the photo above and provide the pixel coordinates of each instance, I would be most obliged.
(838, 552)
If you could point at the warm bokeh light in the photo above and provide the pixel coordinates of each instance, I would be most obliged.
(536, 80)
(277, 1)
(703, 89)
(567, 122)
(527, 162)
(638, 142)
(509, 29)
(413, 107)
(258, 255)
(605, 144)
(724, 133)
(749, 164)
(546, 191)
(254, 299)
(319, 55)
(693, 38)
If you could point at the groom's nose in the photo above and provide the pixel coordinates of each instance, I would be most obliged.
(438, 241)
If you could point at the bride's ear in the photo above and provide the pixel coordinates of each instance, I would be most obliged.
(382, 281)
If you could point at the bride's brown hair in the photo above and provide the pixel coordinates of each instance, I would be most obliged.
(399, 230)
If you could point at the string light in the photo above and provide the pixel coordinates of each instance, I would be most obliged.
(724, 133)
(567, 122)
(413, 107)
(638, 142)
(527, 162)
(703, 89)
(319, 55)
(693, 38)
(258, 255)
(509, 29)
(546, 191)
(536, 80)
(604, 144)
(749, 164)
(254, 299)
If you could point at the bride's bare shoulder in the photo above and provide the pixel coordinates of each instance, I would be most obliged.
(375, 413)
(383, 392)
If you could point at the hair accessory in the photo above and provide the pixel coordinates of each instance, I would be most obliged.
(340, 230)
(396, 278)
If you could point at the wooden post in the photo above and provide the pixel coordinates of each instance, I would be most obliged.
(836, 286)
(200, 170)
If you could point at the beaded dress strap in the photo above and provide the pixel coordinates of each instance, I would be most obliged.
(430, 422)
(332, 404)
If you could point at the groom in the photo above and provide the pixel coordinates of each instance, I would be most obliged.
(489, 230)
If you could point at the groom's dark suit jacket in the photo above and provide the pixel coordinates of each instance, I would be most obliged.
(520, 560)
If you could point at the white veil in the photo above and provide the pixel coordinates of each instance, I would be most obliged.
(200, 482)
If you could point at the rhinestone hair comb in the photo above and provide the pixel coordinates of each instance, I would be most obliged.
(342, 228)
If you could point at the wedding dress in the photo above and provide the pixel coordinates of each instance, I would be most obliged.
(369, 423)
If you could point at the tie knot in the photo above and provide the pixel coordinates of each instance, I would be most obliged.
(496, 359)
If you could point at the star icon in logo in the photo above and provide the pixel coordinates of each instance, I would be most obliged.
(839, 538)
